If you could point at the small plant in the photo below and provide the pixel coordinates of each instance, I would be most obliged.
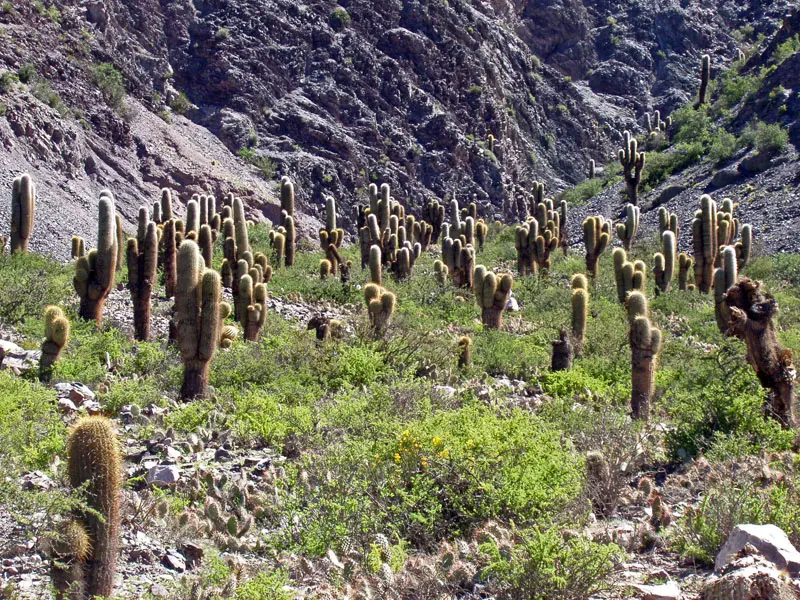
(340, 18)
(222, 34)
(7, 81)
(109, 81)
(180, 104)
(26, 73)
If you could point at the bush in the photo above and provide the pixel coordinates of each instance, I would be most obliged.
(28, 283)
(340, 18)
(770, 138)
(109, 80)
(180, 104)
(26, 73)
(262, 163)
(7, 81)
(223, 33)
(723, 146)
(43, 91)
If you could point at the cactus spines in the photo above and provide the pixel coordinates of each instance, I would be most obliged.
(78, 246)
(287, 200)
(142, 271)
(592, 168)
(94, 273)
(434, 213)
(460, 261)
(330, 213)
(23, 204)
(95, 462)
(290, 241)
(665, 262)
(685, 264)
(192, 216)
(324, 269)
(120, 242)
(440, 272)
(491, 294)
(562, 352)
(704, 240)
(667, 221)
(69, 548)
(724, 277)
(56, 336)
(198, 316)
(166, 204)
(627, 275)
(598, 480)
(481, 229)
(279, 247)
(752, 315)
(170, 244)
(632, 162)
(645, 341)
(375, 269)
(705, 76)
(626, 231)
(380, 306)
(580, 312)
(464, 352)
(743, 247)
(596, 237)
(205, 240)
(253, 297)
(240, 227)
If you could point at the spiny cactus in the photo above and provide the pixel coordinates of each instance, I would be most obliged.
(645, 341)
(198, 310)
(142, 259)
(596, 237)
(464, 352)
(632, 162)
(240, 228)
(592, 169)
(78, 247)
(254, 315)
(120, 236)
(380, 306)
(626, 231)
(752, 319)
(563, 231)
(324, 269)
(205, 240)
(704, 240)
(599, 482)
(743, 247)
(664, 268)
(94, 273)
(460, 261)
(724, 277)
(56, 337)
(169, 244)
(667, 221)
(440, 272)
(287, 199)
(375, 268)
(166, 205)
(705, 76)
(562, 352)
(580, 311)
(23, 205)
(685, 264)
(434, 213)
(491, 294)
(627, 275)
(481, 230)
(94, 464)
(278, 243)
(192, 215)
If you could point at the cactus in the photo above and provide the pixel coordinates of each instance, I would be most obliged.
(278, 243)
(481, 230)
(287, 200)
(142, 272)
(380, 306)
(94, 464)
(752, 319)
(324, 269)
(632, 162)
(56, 337)
(94, 273)
(667, 221)
(460, 261)
(170, 247)
(464, 352)
(562, 352)
(491, 294)
(645, 341)
(78, 247)
(704, 240)
(665, 262)
(240, 228)
(596, 237)
(375, 271)
(205, 240)
(23, 205)
(600, 483)
(592, 169)
(742, 247)
(627, 275)
(253, 297)
(434, 213)
(627, 231)
(580, 312)
(563, 231)
(724, 277)
(533, 247)
(198, 318)
(166, 205)
(705, 76)
(440, 272)
(120, 242)
(684, 267)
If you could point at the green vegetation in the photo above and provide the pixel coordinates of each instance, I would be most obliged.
(262, 163)
(109, 80)
(340, 18)
(180, 104)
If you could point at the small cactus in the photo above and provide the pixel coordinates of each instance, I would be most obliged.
(464, 352)
(580, 312)
(598, 480)
(253, 297)
(491, 294)
(664, 268)
(440, 272)
(626, 231)
(78, 247)
(627, 275)
(632, 162)
(645, 341)
(380, 306)
(23, 205)
(460, 261)
(324, 269)
(94, 273)
(56, 334)
(685, 264)
(434, 213)
(596, 237)
(667, 221)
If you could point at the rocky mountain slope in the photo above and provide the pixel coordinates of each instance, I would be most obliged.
(338, 95)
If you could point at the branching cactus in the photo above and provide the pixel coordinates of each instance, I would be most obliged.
(596, 237)
(85, 559)
(705, 77)
(199, 310)
(664, 268)
(580, 312)
(752, 319)
(405, 257)
(169, 243)
(491, 294)
(142, 272)
(78, 247)
(626, 231)
(440, 272)
(94, 273)
(645, 340)
(460, 261)
(23, 204)
(724, 278)
(628, 276)
(434, 213)
(56, 337)
(380, 306)
(255, 314)
(632, 162)
(704, 240)
(667, 221)
(685, 264)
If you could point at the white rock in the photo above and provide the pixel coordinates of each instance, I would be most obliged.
(163, 475)
(664, 591)
(770, 541)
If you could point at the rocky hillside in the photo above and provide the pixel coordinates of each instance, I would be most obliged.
(227, 95)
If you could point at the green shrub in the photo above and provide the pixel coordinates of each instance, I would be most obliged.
(262, 163)
(787, 49)
(42, 90)
(723, 146)
(223, 33)
(734, 88)
(28, 283)
(180, 104)
(266, 586)
(770, 138)
(26, 73)
(7, 81)
(340, 18)
(109, 80)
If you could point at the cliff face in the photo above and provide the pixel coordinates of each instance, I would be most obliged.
(341, 95)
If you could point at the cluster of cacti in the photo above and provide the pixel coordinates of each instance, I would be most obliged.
(199, 312)
(440, 272)
(421, 232)
(628, 276)
(704, 241)
(94, 272)
(705, 77)
(23, 205)
(461, 227)
(491, 294)
(645, 342)
(459, 261)
(580, 311)
(380, 306)
(562, 352)
(326, 327)
(664, 261)
(385, 226)
(252, 306)
(667, 221)
(656, 125)
(626, 231)
(464, 352)
(596, 237)
(78, 247)
(632, 162)
(725, 276)
(534, 246)
(142, 255)
(331, 237)
(752, 315)
(85, 550)
(433, 213)
(56, 336)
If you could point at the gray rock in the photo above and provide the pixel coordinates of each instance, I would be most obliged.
(750, 578)
(770, 541)
(664, 591)
(725, 177)
(163, 475)
(174, 560)
(668, 193)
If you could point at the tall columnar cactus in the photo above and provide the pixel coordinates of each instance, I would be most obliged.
(626, 231)
(375, 266)
(384, 206)
(290, 242)
(166, 205)
(198, 315)
(724, 277)
(380, 306)
(664, 268)
(596, 237)
(157, 213)
(205, 240)
(287, 200)
(632, 162)
(481, 230)
(434, 213)
(580, 311)
(94, 273)
(278, 243)
(667, 221)
(170, 248)
(592, 169)
(645, 343)
(56, 336)
(142, 272)
(705, 77)
(240, 228)
(563, 230)
(85, 560)
(192, 216)
(628, 276)
(685, 264)
(254, 315)
(704, 240)
(743, 247)
(120, 237)
(23, 204)
(752, 314)
(491, 294)
(460, 261)
(78, 246)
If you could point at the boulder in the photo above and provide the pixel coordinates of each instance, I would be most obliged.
(664, 591)
(750, 578)
(769, 541)
(725, 177)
